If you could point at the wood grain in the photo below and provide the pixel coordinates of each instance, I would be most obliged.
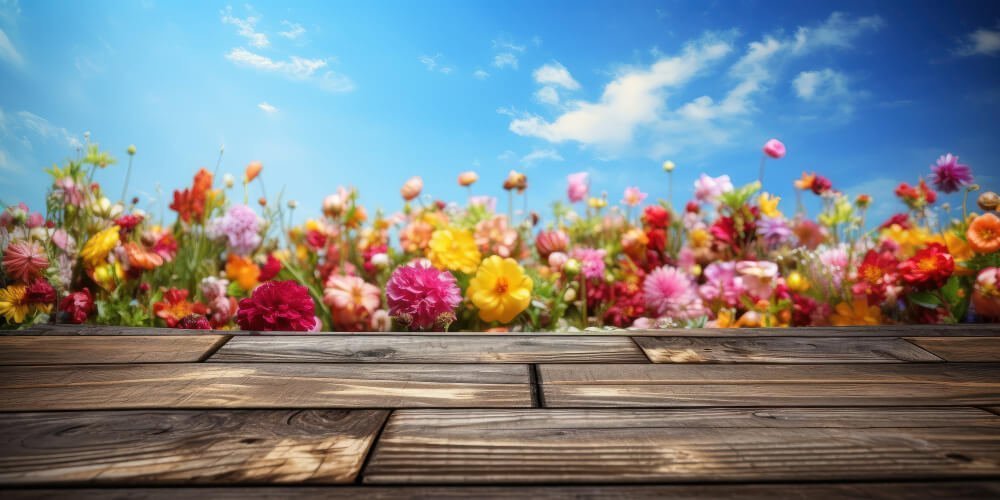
(623, 446)
(967, 490)
(262, 385)
(432, 349)
(781, 350)
(693, 385)
(123, 349)
(986, 349)
(142, 447)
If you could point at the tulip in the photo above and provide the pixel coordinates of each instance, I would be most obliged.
(411, 189)
(252, 171)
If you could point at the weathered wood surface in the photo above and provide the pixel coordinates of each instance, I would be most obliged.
(782, 350)
(626, 446)
(177, 447)
(432, 349)
(985, 349)
(94, 349)
(966, 490)
(759, 413)
(262, 385)
(680, 385)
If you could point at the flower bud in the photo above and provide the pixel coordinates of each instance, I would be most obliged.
(988, 201)
(229, 180)
(131, 150)
(668, 166)
(572, 268)
(292, 204)
(569, 295)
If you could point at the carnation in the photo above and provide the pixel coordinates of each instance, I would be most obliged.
(240, 227)
(421, 296)
(277, 306)
(77, 306)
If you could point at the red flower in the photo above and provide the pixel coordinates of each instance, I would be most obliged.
(692, 207)
(175, 306)
(194, 322)
(901, 220)
(270, 269)
(916, 196)
(656, 217)
(930, 268)
(127, 223)
(77, 306)
(657, 239)
(40, 292)
(190, 203)
(629, 304)
(803, 308)
(277, 306)
(821, 184)
(875, 273)
(166, 247)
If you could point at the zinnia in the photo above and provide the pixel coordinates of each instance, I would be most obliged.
(929, 268)
(14, 306)
(99, 246)
(352, 301)
(420, 296)
(454, 249)
(670, 293)
(950, 175)
(984, 234)
(277, 306)
(500, 289)
(24, 260)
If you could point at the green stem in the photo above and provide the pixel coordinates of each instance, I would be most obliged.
(128, 174)
(583, 308)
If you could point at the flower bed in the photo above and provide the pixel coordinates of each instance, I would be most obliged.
(730, 257)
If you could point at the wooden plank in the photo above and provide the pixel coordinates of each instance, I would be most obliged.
(963, 330)
(969, 490)
(620, 446)
(262, 385)
(432, 349)
(781, 350)
(693, 385)
(144, 447)
(124, 349)
(985, 349)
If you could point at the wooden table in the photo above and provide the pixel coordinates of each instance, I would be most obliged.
(890, 412)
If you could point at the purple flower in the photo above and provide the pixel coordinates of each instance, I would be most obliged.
(240, 227)
(950, 175)
(421, 296)
(774, 230)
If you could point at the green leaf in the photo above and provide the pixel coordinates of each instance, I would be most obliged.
(924, 299)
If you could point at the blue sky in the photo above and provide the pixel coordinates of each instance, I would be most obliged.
(370, 93)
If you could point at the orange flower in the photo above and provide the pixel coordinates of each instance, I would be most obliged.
(190, 203)
(140, 258)
(984, 234)
(252, 171)
(858, 312)
(243, 271)
(175, 307)
(806, 182)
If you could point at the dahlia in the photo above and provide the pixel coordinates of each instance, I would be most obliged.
(774, 231)
(77, 306)
(655, 216)
(24, 260)
(421, 296)
(277, 306)
(929, 268)
(454, 249)
(876, 273)
(671, 293)
(194, 322)
(591, 260)
(950, 175)
(500, 289)
(352, 301)
(14, 305)
(241, 228)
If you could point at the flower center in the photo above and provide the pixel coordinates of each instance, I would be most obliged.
(501, 287)
(986, 234)
(928, 264)
(873, 274)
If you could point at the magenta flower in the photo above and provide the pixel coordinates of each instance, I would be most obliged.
(578, 187)
(670, 294)
(775, 149)
(950, 175)
(591, 260)
(420, 296)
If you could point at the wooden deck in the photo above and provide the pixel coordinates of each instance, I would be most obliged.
(893, 412)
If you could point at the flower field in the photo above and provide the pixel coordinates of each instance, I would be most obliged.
(732, 256)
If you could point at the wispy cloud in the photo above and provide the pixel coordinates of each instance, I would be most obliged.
(984, 42)
(432, 63)
(8, 52)
(541, 155)
(506, 52)
(21, 130)
(480, 74)
(294, 31)
(267, 108)
(505, 60)
(246, 27)
(295, 68)
(555, 74)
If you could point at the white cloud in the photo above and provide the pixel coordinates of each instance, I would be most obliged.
(480, 74)
(43, 128)
(811, 85)
(295, 30)
(8, 52)
(505, 60)
(267, 108)
(507, 155)
(246, 27)
(837, 31)
(432, 64)
(295, 68)
(555, 74)
(980, 42)
(547, 95)
(541, 155)
(506, 45)
(4, 162)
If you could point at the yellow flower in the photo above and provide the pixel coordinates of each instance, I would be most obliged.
(13, 304)
(909, 240)
(857, 312)
(597, 203)
(769, 205)
(454, 249)
(99, 246)
(108, 275)
(957, 247)
(699, 238)
(500, 289)
(796, 282)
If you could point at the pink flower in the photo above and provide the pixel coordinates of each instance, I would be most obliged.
(547, 242)
(421, 296)
(352, 301)
(557, 260)
(708, 189)
(77, 306)
(949, 174)
(578, 186)
(494, 235)
(633, 196)
(68, 191)
(591, 260)
(775, 149)
(25, 260)
(277, 306)
(240, 227)
(759, 277)
(670, 293)
(466, 179)
(722, 283)
(411, 189)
